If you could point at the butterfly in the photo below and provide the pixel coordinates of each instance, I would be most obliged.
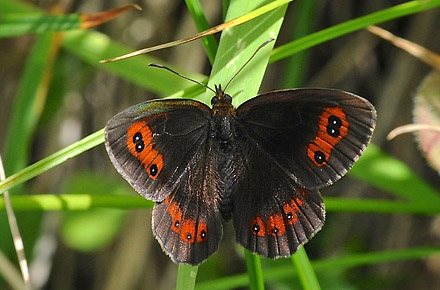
(260, 165)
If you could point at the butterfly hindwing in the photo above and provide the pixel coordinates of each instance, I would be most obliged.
(272, 215)
(188, 223)
(314, 134)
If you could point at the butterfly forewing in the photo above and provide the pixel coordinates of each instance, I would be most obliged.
(152, 143)
(313, 134)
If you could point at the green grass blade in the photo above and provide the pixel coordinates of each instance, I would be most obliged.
(381, 206)
(390, 174)
(75, 202)
(20, 24)
(53, 160)
(92, 46)
(303, 19)
(186, 277)
(253, 266)
(202, 24)
(51, 202)
(29, 102)
(333, 32)
(305, 270)
(238, 44)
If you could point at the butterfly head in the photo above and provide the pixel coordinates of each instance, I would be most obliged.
(222, 102)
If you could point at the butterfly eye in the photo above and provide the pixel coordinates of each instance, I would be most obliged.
(228, 98)
(214, 100)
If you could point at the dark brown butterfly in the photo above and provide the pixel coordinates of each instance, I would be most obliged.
(261, 165)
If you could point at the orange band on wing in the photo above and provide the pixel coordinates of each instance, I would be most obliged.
(140, 144)
(332, 128)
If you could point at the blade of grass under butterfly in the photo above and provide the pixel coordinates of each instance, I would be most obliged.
(202, 24)
(52, 202)
(236, 46)
(253, 266)
(305, 271)
(238, 20)
(186, 277)
(333, 32)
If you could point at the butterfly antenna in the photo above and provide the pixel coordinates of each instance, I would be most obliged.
(252, 56)
(180, 75)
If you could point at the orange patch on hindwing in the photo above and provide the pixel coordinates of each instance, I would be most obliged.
(275, 225)
(185, 227)
(140, 144)
(332, 128)
(257, 226)
(290, 211)
(175, 213)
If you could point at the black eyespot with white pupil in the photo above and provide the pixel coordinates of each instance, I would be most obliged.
(289, 216)
(335, 121)
(334, 124)
(319, 157)
(188, 236)
(138, 142)
(153, 170)
(203, 234)
(256, 228)
(177, 224)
